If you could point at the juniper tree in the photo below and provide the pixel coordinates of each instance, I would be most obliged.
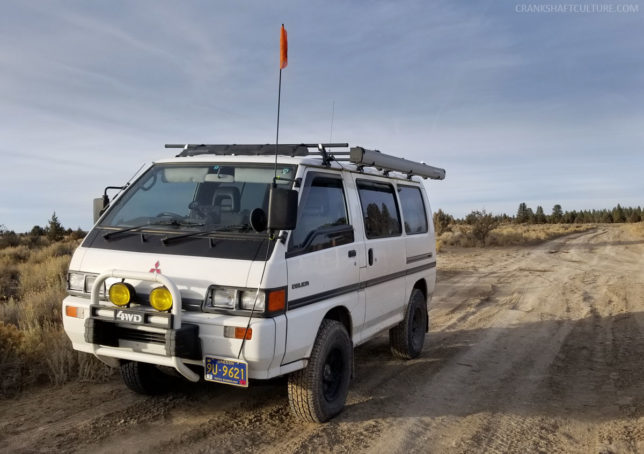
(557, 214)
(618, 214)
(539, 216)
(523, 214)
(55, 231)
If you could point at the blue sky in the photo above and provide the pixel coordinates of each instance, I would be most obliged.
(541, 108)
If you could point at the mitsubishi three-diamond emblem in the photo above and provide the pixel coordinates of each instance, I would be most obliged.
(155, 268)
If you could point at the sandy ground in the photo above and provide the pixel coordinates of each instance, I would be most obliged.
(536, 349)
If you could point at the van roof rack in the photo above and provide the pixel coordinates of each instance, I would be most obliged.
(300, 149)
(356, 155)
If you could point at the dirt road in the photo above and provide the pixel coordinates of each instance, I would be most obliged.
(536, 349)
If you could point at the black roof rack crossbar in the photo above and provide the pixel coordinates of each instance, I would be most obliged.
(301, 149)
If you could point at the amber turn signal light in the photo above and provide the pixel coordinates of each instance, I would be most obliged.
(235, 332)
(73, 311)
(276, 300)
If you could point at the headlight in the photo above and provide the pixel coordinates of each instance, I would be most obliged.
(269, 302)
(121, 293)
(161, 299)
(89, 283)
(248, 300)
(76, 281)
(224, 298)
(83, 282)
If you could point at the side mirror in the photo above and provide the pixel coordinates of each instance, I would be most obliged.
(99, 206)
(282, 209)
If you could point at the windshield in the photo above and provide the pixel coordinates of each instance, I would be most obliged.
(196, 197)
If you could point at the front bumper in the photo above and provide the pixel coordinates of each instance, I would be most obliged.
(175, 339)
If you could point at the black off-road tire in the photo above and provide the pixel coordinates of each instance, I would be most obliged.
(144, 378)
(407, 338)
(318, 392)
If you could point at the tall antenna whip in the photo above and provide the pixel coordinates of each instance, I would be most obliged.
(283, 64)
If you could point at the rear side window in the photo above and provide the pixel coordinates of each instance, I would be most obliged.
(379, 209)
(413, 209)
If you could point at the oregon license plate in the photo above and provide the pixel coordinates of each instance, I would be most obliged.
(228, 371)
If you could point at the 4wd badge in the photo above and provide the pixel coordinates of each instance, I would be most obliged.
(129, 317)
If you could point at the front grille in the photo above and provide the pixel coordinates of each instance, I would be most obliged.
(139, 335)
(183, 342)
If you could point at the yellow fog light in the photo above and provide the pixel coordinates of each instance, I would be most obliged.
(161, 299)
(121, 293)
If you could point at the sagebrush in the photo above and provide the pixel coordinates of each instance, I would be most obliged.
(507, 234)
(33, 346)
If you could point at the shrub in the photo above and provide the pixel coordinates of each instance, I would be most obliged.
(442, 222)
(10, 358)
(10, 311)
(9, 239)
(482, 224)
(10, 341)
(78, 234)
(36, 230)
(9, 282)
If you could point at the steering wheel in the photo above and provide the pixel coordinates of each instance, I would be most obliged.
(194, 206)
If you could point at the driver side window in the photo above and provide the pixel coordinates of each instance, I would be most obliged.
(322, 214)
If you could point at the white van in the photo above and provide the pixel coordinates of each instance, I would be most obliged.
(238, 262)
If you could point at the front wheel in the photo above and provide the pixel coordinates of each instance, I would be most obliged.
(319, 391)
(144, 378)
(408, 337)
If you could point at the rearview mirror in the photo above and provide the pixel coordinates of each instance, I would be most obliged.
(282, 209)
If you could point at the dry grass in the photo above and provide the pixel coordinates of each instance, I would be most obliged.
(518, 235)
(36, 277)
(637, 228)
(509, 235)
(33, 346)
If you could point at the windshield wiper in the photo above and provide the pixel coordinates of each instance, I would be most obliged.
(173, 222)
(228, 228)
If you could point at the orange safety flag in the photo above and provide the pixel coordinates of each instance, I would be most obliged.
(283, 49)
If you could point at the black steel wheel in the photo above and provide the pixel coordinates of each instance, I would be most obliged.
(319, 391)
(406, 339)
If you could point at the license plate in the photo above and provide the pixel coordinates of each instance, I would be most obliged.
(227, 371)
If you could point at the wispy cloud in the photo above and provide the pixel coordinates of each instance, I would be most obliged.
(537, 108)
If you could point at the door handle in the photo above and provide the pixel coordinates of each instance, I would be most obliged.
(352, 253)
(370, 256)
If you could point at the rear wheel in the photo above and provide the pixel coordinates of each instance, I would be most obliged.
(144, 378)
(408, 337)
(319, 391)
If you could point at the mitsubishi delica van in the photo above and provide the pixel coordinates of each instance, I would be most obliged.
(233, 263)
